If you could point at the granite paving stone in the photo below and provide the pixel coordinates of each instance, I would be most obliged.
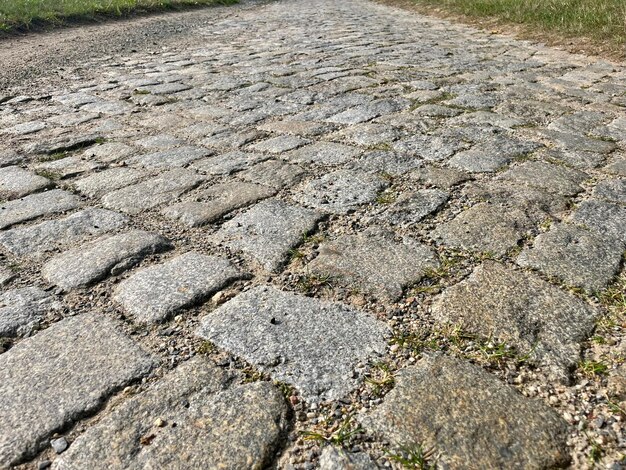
(311, 344)
(152, 192)
(603, 217)
(542, 321)
(22, 309)
(293, 127)
(412, 207)
(227, 163)
(322, 153)
(268, 231)
(473, 419)
(374, 263)
(298, 157)
(341, 191)
(173, 158)
(280, 144)
(153, 294)
(217, 201)
(552, 178)
(60, 375)
(206, 420)
(273, 173)
(36, 205)
(613, 190)
(109, 151)
(485, 228)
(98, 184)
(91, 262)
(66, 167)
(575, 255)
(53, 234)
(15, 182)
(333, 458)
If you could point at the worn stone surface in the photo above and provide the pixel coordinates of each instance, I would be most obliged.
(542, 321)
(279, 144)
(444, 178)
(322, 153)
(22, 309)
(267, 231)
(492, 155)
(575, 255)
(612, 190)
(374, 264)
(53, 234)
(36, 205)
(473, 419)
(99, 184)
(217, 201)
(411, 207)
(177, 157)
(227, 163)
(310, 344)
(484, 227)
(65, 167)
(16, 182)
(106, 256)
(273, 173)
(603, 217)
(341, 191)
(109, 151)
(155, 293)
(546, 176)
(152, 192)
(225, 129)
(60, 375)
(239, 426)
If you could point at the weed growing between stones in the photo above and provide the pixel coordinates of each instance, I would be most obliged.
(415, 456)
(340, 434)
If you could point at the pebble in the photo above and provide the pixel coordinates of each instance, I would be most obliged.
(59, 445)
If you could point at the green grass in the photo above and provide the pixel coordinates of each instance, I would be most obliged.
(601, 21)
(23, 14)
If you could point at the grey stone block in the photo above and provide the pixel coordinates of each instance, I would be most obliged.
(60, 375)
(15, 182)
(310, 344)
(519, 308)
(36, 205)
(155, 293)
(82, 266)
(268, 231)
(152, 192)
(576, 256)
(192, 418)
(217, 201)
(21, 309)
(374, 264)
(341, 191)
(470, 417)
(53, 234)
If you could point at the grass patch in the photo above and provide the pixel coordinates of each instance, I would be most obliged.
(23, 14)
(600, 24)
(340, 436)
(415, 457)
(593, 368)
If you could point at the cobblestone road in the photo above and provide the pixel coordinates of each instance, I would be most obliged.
(323, 234)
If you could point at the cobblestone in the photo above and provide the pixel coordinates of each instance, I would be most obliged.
(345, 188)
(155, 293)
(310, 344)
(60, 375)
(96, 260)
